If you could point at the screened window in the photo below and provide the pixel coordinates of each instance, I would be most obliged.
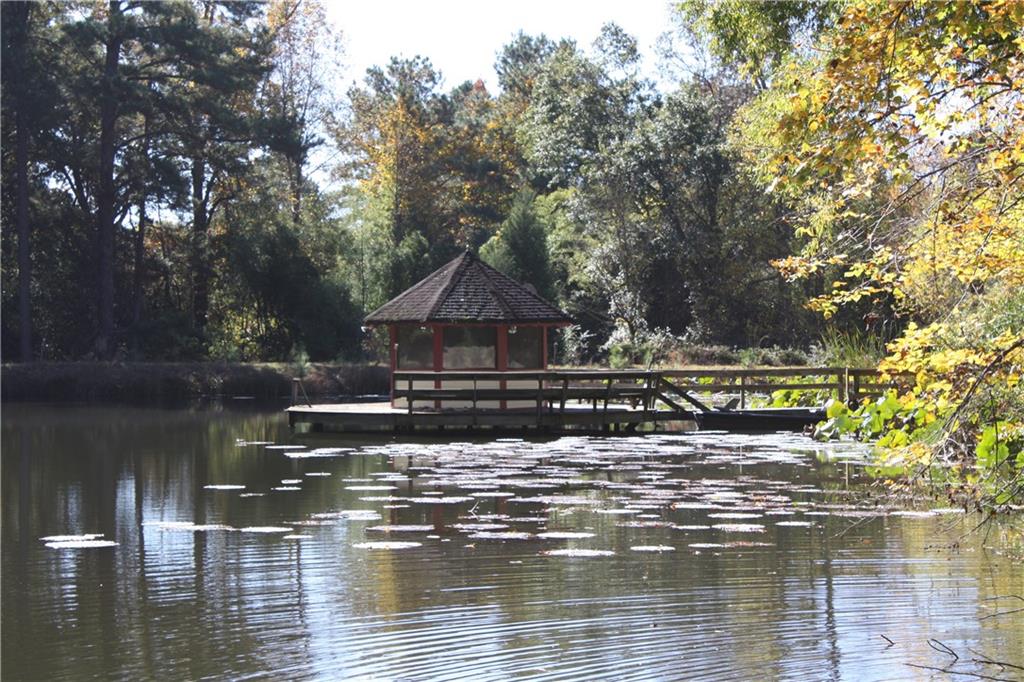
(525, 348)
(415, 348)
(470, 348)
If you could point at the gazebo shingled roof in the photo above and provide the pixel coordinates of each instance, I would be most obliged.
(468, 290)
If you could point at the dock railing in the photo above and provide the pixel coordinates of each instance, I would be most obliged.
(678, 390)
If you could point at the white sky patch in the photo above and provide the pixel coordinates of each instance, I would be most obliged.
(462, 38)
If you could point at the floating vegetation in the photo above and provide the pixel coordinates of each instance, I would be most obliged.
(187, 526)
(745, 543)
(80, 544)
(557, 500)
(408, 528)
(350, 515)
(640, 480)
(498, 535)
(267, 529)
(71, 538)
(564, 535)
(739, 527)
(224, 486)
(578, 553)
(319, 452)
(387, 544)
(642, 524)
(696, 505)
(734, 515)
(479, 526)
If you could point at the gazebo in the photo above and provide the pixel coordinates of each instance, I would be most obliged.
(468, 316)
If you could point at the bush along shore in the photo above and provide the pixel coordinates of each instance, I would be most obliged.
(154, 382)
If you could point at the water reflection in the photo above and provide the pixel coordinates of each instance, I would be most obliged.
(804, 574)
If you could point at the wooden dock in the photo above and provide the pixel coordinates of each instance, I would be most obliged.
(590, 400)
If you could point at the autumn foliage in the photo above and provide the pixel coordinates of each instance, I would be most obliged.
(897, 136)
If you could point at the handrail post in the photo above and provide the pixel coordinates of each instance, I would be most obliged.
(648, 382)
(743, 391)
(296, 387)
(540, 400)
(408, 399)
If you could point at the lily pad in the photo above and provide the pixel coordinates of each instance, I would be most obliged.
(578, 553)
(80, 544)
(267, 529)
(386, 544)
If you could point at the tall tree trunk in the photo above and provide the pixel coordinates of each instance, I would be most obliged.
(200, 247)
(297, 192)
(19, 14)
(140, 246)
(24, 257)
(106, 195)
(139, 261)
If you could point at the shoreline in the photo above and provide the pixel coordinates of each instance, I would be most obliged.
(151, 382)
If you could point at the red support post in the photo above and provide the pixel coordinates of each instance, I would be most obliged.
(502, 348)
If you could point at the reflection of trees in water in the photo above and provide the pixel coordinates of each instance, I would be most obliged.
(182, 604)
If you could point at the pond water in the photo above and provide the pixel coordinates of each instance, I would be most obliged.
(690, 556)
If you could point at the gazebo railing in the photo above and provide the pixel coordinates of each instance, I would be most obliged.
(676, 390)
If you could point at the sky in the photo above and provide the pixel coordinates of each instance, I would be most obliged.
(462, 37)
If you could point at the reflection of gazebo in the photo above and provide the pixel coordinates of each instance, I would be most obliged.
(468, 316)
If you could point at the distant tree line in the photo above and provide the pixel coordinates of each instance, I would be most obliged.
(192, 180)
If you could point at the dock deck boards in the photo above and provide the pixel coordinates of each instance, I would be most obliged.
(382, 417)
(364, 417)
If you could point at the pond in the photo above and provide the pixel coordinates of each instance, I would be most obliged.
(243, 550)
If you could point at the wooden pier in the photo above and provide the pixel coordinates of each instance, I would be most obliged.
(592, 400)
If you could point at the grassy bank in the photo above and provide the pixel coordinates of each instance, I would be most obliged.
(155, 382)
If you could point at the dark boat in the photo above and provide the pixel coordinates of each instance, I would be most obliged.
(768, 419)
